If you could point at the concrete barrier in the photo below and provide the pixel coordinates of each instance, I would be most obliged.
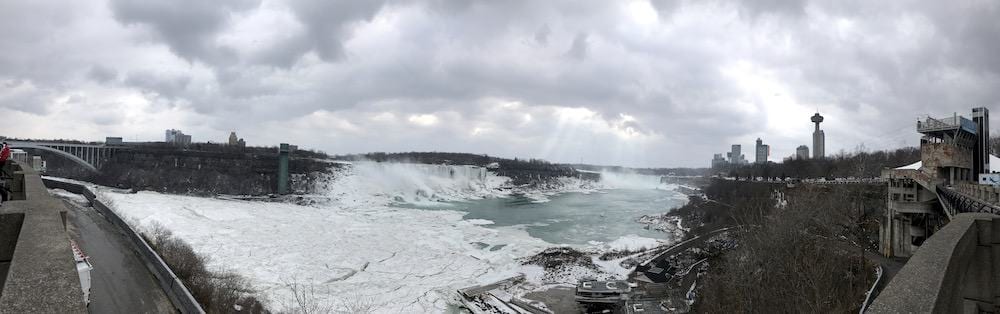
(954, 271)
(171, 285)
(36, 259)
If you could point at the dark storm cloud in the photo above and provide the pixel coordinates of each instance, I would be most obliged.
(578, 50)
(102, 74)
(188, 27)
(684, 79)
(327, 22)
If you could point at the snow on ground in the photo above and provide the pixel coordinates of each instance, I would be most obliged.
(77, 198)
(633, 242)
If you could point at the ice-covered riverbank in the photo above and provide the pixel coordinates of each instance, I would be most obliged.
(358, 246)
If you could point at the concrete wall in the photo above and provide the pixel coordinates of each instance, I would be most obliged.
(935, 155)
(172, 286)
(953, 272)
(42, 275)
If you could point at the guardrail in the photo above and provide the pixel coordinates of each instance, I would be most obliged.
(961, 203)
(171, 285)
(868, 295)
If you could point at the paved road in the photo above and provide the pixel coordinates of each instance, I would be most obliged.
(121, 283)
(890, 266)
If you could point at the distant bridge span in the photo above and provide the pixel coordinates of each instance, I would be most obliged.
(90, 156)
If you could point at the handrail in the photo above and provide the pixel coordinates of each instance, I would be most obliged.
(962, 203)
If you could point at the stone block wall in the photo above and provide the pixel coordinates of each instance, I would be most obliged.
(935, 155)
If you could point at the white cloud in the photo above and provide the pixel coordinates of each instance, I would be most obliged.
(638, 82)
(423, 119)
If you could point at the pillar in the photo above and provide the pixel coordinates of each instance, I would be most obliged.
(283, 152)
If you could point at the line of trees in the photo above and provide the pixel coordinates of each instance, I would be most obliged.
(859, 164)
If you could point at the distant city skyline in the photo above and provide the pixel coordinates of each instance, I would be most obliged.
(762, 152)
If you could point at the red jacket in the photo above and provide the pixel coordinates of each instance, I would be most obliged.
(5, 153)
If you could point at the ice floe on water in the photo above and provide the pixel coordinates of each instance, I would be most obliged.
(633, 242)
(480, 222)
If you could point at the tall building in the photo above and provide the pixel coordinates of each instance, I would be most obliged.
(819, 139)
(736, 155)
(802, 152)
(718, 161)
(177, 137)
(981, 154)
(236, 141)
(763, 151)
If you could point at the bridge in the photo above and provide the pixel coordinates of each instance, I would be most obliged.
(90, 156)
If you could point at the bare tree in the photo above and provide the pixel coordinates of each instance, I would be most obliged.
(306, 299)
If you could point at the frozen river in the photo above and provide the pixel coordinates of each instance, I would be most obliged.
(370, 242)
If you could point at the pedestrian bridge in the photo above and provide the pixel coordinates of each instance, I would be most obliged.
(90, 156)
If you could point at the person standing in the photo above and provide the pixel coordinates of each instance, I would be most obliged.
(4, 154)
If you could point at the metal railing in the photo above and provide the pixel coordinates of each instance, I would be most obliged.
(961, 203)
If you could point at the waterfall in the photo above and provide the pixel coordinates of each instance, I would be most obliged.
(414, 183)
(630, 181)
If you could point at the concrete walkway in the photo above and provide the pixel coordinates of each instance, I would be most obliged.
(121, 283)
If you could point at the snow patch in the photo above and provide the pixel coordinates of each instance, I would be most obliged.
(633, 243)
(480, 222)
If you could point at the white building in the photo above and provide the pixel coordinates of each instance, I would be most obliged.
(177, 137)
(802, 152)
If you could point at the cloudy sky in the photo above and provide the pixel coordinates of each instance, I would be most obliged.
(635, 83)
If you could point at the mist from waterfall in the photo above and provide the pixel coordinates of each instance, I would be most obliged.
(630, 181)
(367, 182)
(413, 183)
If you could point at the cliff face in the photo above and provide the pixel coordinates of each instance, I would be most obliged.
(197, 172)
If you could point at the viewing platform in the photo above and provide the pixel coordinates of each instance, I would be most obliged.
(38, 272)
